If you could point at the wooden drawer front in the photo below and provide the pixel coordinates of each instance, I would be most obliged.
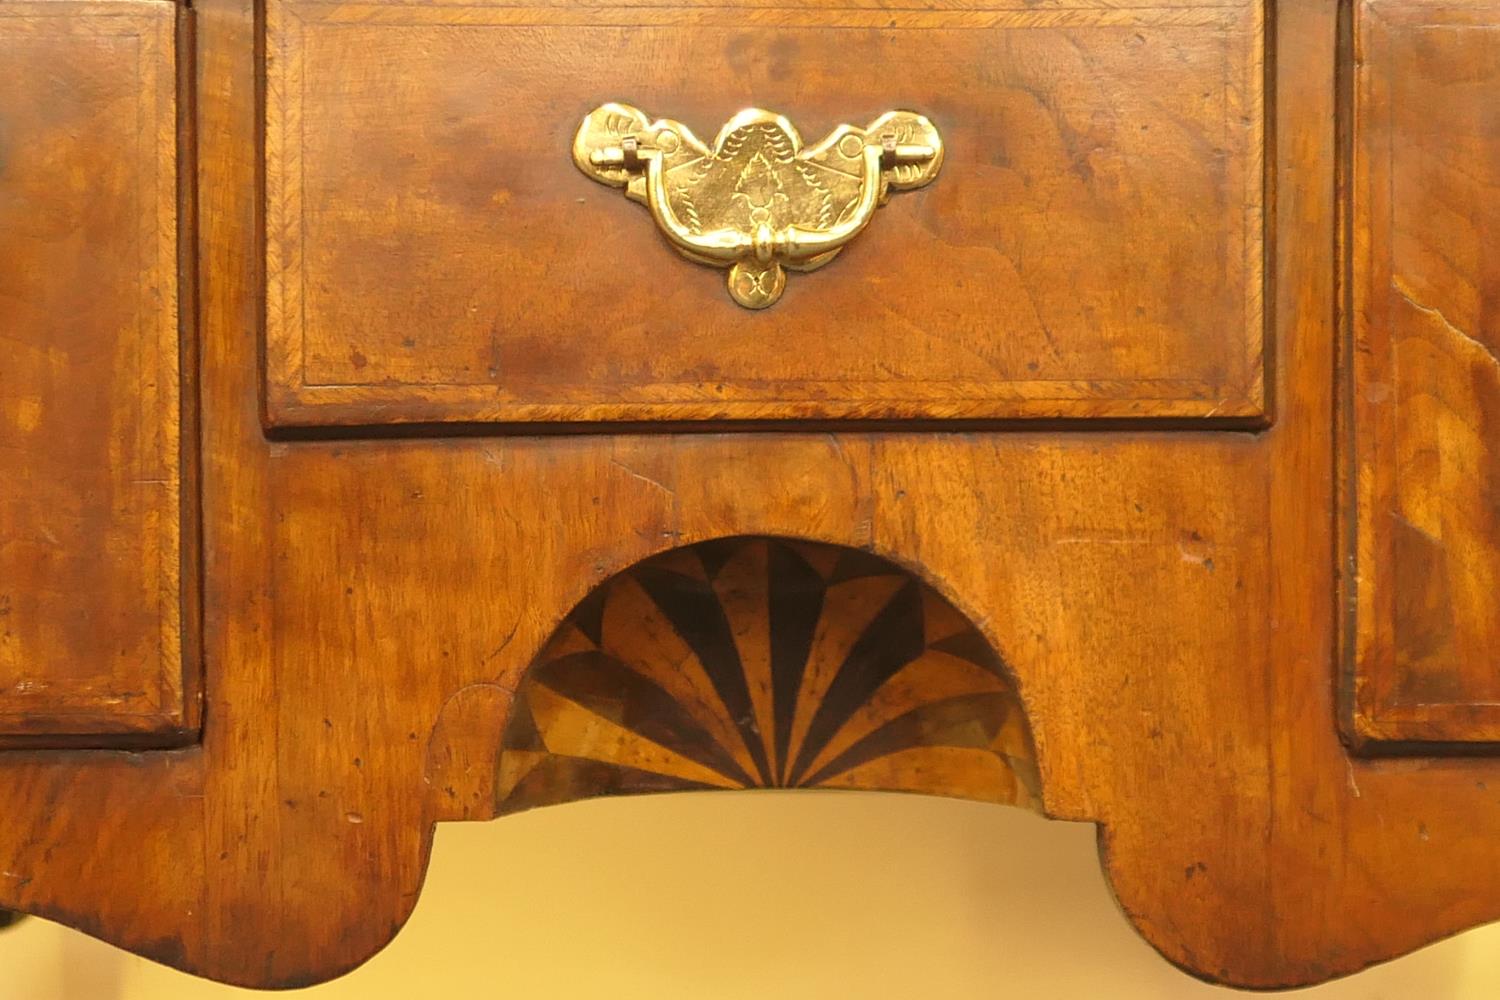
(1092, 247)
(1425, 368)
(91, 483)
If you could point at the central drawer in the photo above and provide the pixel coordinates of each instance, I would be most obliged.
(1093, 245)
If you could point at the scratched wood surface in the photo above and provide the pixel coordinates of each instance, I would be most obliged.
(1093, 246)
(91, 539)
(1166, 602)
(1425, 366)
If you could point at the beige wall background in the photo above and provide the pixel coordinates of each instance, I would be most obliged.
(784, 895)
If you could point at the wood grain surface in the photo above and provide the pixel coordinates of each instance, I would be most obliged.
(95, 624)
(1425, 369)
(1166, 600)
(1093, 247)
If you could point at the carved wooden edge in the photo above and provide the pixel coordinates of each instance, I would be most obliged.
(1371, 722)
(291, 404)
(167, 66)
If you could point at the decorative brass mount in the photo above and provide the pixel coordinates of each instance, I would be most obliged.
(757, 202)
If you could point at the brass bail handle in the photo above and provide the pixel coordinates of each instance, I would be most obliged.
(757, 201)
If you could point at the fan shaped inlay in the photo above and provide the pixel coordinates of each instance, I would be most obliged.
(759, 662)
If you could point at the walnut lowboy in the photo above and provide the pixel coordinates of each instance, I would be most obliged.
(365, 465)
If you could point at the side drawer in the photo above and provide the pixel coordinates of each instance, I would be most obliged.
(1423, 376)
(96, 598)
(1092, 247)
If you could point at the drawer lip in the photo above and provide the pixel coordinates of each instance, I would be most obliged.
(310, 409)
(1237, 400)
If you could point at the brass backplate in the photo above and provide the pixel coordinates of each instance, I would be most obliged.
(757, 201)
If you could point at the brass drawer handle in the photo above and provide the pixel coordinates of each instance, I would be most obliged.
(757, 202)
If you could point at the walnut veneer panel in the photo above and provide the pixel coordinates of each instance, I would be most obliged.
(1093, 246)
(1425, 373)
(92, 619)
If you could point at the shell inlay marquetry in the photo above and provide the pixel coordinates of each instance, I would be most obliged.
(760, 663)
